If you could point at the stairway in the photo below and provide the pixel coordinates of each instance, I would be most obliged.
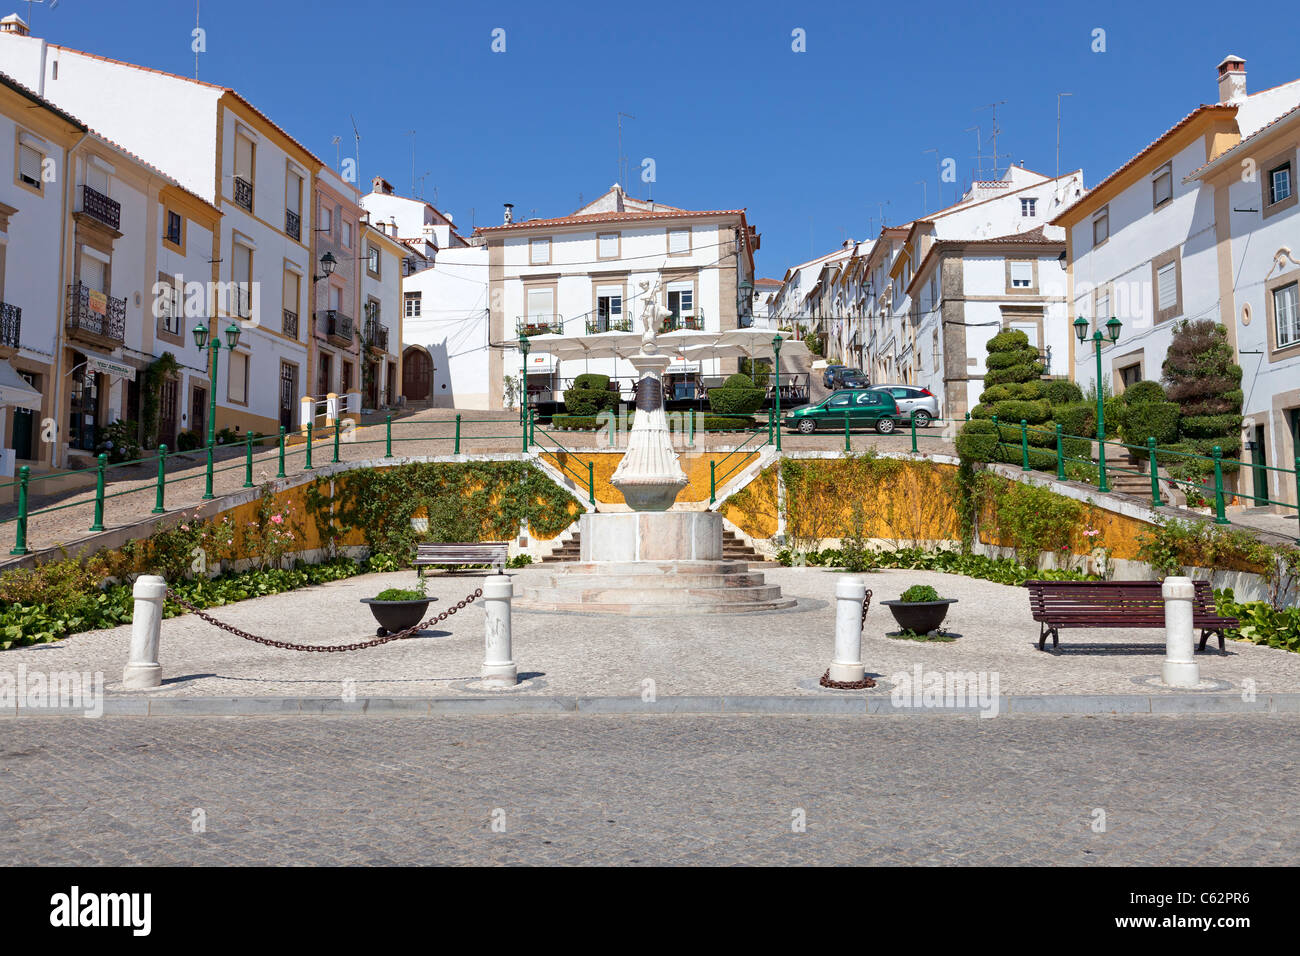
(735, 549)
(571, 550)
(1138, 486)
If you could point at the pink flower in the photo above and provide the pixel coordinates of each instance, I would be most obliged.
(185, 527)
(276, 519)
(1091, 533)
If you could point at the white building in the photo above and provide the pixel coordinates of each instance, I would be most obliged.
(420, 225)
(582, 273)
(763, 308)
(1197, 226)
(445, 342)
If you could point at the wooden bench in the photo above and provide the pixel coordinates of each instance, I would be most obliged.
(1058, 604)
(469, 552)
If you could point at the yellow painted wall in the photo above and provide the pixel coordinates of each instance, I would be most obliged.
(695, 464)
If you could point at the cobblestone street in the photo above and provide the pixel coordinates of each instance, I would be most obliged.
(645, 790)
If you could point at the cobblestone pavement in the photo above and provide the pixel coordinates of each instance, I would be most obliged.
(426, 433)
(1182, 791)
(598, 655)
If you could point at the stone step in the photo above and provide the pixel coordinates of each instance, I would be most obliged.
(674, 582)
(658, 610)
(651, 569)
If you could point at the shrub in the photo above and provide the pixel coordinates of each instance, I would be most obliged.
(188, 440)
(1077, 418)
(1144, 391)
(977, 440)
(918, 593)
(1062, 392)
(725, 423)
(577, 422)
(1158, 420)
(592, 380)
(589, 401)
(1016, 373)
(736, 396)
(1014, 411)
(1209, 426)
(1008, 341)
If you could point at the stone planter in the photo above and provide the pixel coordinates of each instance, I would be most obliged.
(396, 616)
(920, 617)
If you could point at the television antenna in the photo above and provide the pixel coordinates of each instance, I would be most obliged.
(622, 160)
(411, 133)
(993, 134)
(357, 135)
(1058, 132)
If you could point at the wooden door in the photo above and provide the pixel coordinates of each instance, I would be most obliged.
(417, 375)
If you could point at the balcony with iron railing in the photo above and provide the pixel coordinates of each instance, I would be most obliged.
(95, 317)
(600, 324)
(11, 325)
(675, 322)
(289, 324)
(376, 335)
(244, 193)
(99, 207)
(292, 224)
(539, 324)
(336, 326)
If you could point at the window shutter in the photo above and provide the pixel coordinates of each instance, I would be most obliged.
(29, 164)
(608, 246)
(1167, 286)
(679, 240)
(1022, 274)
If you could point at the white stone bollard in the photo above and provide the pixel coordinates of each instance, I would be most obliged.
(1181, 669)
(847, 665)
(498, 667)
(142, 668)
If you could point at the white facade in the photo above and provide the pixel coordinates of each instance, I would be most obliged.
(445, 316)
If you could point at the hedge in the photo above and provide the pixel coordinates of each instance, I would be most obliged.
(1143, 392)
(1062, 392)
(1158, 420)
(1017, 373)
(736, 396)
(1008, 359)
(978, 441)
(1013, 411)
(1008, 341)
(589, 401)
(1077, 418)
(1210, 426)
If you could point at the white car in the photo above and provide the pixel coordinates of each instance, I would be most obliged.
(918, 403)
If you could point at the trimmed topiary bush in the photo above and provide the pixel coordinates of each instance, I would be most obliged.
(977, 440)
(1077, 418)
(1062, 392)
(589, 395)
(1143, 420)
(1013, 411)
(736, 396)
(1144, 391)
(1200, 376)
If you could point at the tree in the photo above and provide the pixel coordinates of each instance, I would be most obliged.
(1201, 377)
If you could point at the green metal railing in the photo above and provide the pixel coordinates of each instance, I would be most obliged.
(740, 453)
(588, 480)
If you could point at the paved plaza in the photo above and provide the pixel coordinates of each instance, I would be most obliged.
(775, 653)
(1183, 791)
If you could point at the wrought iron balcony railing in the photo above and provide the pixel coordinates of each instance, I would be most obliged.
(290, 324)
(539, 324)
(598, 325)
(98, 206)
(292, 224)
(336, 326)
(91, 312)
(675, 322)
(244, 193)
(377, 336)
(11, 325)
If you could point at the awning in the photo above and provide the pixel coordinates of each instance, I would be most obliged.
(15, 391)
(107, 366)
(541, 364)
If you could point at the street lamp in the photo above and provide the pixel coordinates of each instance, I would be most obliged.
(327, 264)
(1112, 333)
(204, 341)
(776, 355)
(523, 379)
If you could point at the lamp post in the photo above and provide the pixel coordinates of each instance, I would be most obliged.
(1112, 333)
(523, 379)
(776, 356)
(203, 340)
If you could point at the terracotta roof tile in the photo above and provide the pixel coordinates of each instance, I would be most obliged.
(626, 216)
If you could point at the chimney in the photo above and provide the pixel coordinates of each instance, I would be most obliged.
(381, 185)
(510, 213)
(16, 25)
(1232, 79)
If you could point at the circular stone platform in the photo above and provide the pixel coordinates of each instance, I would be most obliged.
(652, 587)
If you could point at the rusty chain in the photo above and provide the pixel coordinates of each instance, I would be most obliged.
(327, 648)
(866, 682)
(866, 603)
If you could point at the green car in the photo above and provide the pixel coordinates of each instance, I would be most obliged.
(867, 406)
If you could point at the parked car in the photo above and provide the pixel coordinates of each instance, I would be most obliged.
(843, 372)
(858, 380)
(864, 407)
(920, 403)
(828, 376)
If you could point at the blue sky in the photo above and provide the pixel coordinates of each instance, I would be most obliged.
(811, 142)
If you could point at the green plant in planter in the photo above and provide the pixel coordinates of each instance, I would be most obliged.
(918, 593)
(400, 594)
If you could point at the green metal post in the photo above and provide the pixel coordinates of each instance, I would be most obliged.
(1218, 486)
(337, 422)
(713, 480)
(1024, 445)
(591, 482)
(847, 446)
(527, 418)
(280, 473)
(214, 346)
(1296, 475)
(691, 426)
(769, 426)
(248, 462)
(388, 435)
(162, 480)
(307, 466)
(207, 493)
(20, 538)
(456, 451)
(532, 427)
(913, 434)
(1060, 455)
(1103, 483)
(1156, 500)
(99, 494)
(776, 361)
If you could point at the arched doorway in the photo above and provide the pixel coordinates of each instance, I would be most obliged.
(417, 374)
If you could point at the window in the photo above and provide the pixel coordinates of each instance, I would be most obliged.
(609, 307)
(372, 260)
(681, 299)
(29, 166)
(1162, 186)
(293, 193)
(174, 233)
(679, 242)
(245, 164)
(347, 377)
(1101, 226)
(1022, 275)
(539, 252)
(1167, 283)
(1130, 374)
(326, 218)
(541, 306)
(1286, 315)
(607, 245)
(237, 383)
(292, 296)
(347, 234)
(168, 306)
(1028, 207)
(1279, 183)
(242, 273)
(413, 301)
